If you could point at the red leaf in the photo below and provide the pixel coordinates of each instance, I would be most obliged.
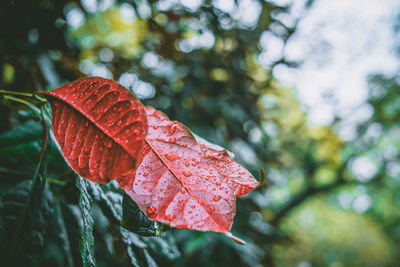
(175, 183)
(238, 178)
(100, 127)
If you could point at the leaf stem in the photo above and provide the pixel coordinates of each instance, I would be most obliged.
(16, 172)
(16, 93)
(55, 181)
(30, 105)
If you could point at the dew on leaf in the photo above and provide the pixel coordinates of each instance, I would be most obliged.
(216, 198)
(187, 173)
(150, 209)
(171, 130)
(171, 156)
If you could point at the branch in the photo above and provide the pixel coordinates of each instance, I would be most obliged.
(314, 190)
(302, 196)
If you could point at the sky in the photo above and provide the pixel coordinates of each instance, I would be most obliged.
(340, 43)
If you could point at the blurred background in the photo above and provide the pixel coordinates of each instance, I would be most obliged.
(309, 90)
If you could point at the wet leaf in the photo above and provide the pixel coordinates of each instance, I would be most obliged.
(100, 127)
(233, 174)
(175, 183)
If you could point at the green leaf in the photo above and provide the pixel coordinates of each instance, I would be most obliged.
(109, 198)
(21, 144)
(130, 238)
(34, 200)
(72, 219)
(132, 242)
(136, 221)
(164, 245)
(63, 234)
(31, 237)
(132, 256)
(150, 261)
(87, 240)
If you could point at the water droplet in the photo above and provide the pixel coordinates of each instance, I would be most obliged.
(169, 186)
(212, 209)
(172, 140)
(193, 206)
(169, 217)
(226, 199)
(164, 131)
(150, 209)
(189, 211)
(155, 127)
(86, 123)
(171, 156)
(160, 198)
(187, 173)
(216, 198)
(145, 174)
(171, 130)
(218, 183)
(201, 201)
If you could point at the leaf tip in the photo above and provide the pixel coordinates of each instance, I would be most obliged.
(236, 239)
(262, 178)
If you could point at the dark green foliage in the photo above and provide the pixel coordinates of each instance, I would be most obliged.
(30, 240)
(133, 219)
(87, 240)
(21, 144)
